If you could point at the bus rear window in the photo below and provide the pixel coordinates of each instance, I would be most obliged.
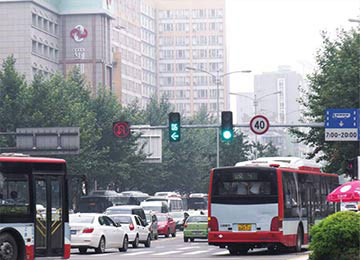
(244, 186)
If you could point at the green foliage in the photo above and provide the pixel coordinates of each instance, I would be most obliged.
(337, 237)
(334, 84)
(264, 150)
(115, 163)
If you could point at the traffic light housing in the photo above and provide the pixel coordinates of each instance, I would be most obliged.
(352, 168)
(174, 127)
(227, 131)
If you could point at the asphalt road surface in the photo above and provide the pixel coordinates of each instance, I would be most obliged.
(176, 248)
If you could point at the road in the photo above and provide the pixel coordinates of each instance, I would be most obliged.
(176, 248)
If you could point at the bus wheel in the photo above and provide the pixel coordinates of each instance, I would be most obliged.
(8, 247)
(299, 240)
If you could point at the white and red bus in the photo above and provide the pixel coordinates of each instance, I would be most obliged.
(33, 208)
(268, 202)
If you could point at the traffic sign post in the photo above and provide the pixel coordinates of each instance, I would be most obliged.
(342, 125)
(259, 124)
(174, 127)
(121, 129)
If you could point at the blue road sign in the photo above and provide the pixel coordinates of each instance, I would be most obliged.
(342, 124)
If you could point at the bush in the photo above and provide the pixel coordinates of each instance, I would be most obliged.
(337, 237)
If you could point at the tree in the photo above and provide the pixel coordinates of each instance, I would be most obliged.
(12, 97)
(334, 84)
(237, 150)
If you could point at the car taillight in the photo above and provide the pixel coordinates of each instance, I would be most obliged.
(131, 226)
(213, 224)
(276, 224)
(88, 230)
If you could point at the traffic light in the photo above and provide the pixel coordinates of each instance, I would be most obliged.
(352, 168)
(227, 131)
(174, 127)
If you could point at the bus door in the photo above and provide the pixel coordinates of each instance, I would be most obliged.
(49, 223)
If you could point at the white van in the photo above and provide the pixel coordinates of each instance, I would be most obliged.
(156, 206)
(174, 202)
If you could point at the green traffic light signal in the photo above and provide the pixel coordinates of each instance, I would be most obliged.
(227, 131)
(174, 127)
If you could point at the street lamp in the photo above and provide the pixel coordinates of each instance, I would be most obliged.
(217, 77)
(256, 102)
(255, 99)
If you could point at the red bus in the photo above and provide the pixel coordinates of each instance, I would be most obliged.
(268, 202)
(33, 208)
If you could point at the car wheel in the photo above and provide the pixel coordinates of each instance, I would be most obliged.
(102, 246)
(8, 247)
(191, 239)
(148, 242)
(125, 246)
(82, 250)
(135, 244)
(186, 239)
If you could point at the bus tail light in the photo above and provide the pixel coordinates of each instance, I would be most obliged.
(88, 230)
(276, 224)
(213, 224)
(131, 226)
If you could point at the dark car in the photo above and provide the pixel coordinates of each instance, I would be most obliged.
(127, 209)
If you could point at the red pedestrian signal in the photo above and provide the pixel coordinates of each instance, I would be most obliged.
(121, 129)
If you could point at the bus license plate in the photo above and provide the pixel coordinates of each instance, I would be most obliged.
(244, 227)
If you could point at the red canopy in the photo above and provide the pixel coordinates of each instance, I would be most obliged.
(348, 192)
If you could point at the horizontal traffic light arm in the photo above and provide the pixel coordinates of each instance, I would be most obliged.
(218, 126)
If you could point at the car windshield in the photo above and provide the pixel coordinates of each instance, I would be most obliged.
(81, 219)
(122, 219)
(194, 219)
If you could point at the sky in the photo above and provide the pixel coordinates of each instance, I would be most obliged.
(264, 34)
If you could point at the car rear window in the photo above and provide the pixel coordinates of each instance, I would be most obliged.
(122, 219)
(81, 219)
(193, 219)
(162, 218)
(118, 211)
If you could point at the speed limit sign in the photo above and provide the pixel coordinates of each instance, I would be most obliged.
(259, 124)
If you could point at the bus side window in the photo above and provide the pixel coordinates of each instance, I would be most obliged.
(290, 195)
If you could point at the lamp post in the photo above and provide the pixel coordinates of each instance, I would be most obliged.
(256, 100)
(217, 79)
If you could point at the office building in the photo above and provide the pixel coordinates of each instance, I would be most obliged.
(192, 34)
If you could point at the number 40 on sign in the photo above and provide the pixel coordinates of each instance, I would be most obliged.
(259, 124)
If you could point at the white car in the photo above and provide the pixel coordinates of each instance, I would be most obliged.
(96, 231)
(135, 228)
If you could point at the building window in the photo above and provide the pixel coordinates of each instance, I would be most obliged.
(34, 19)
(33, 45)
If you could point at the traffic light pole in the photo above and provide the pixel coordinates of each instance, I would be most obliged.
(217, 119)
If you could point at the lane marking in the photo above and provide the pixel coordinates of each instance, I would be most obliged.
(168, 253)
(189, 247)
(197, 252)
(139, 253)
(303, 257)
(226, 252)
